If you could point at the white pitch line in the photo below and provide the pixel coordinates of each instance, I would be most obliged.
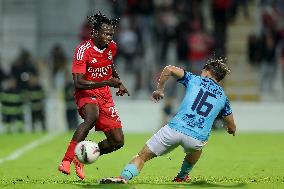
(17, 153)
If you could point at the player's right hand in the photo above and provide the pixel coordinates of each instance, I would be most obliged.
(114, 82)
(158, 95)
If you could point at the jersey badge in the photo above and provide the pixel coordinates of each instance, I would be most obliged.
(109, 55)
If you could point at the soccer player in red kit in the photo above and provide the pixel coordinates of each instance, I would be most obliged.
(93, 74)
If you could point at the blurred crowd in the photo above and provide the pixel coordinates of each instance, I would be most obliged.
(157, 27)
(151, 34)
(196, 30)
(266, 48)
(24, 96)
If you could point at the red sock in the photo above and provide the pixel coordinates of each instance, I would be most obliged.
(69, 155)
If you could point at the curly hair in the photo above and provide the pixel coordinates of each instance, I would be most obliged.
(218, 68)
(98, 19)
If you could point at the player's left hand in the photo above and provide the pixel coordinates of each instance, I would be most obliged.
(158, 95)
(122, 90)
(231, 130)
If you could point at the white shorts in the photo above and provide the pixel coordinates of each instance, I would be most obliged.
(167, 139)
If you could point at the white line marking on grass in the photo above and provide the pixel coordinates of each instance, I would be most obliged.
(17, 153)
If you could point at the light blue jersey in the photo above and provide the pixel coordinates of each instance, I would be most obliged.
(203, 101)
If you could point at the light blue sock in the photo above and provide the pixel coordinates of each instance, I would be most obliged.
(185, 169)
(129, 171)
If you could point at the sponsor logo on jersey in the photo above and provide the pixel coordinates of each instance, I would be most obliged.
(99, 72)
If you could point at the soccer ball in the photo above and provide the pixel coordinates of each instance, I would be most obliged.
(87, 152)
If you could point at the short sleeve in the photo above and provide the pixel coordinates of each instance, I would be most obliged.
(80, 59)
(186, 78)
(227, 110)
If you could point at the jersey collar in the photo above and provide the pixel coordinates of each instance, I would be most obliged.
(99, 50)
(96, 48)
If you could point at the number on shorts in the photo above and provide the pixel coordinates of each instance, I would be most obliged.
(114, 112)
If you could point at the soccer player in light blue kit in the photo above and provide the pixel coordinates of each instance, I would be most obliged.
(204, 100)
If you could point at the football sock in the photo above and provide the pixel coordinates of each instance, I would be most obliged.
(185, 169)
(129, 171)
(69, 155)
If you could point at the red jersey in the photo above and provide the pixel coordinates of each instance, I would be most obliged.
(96, 65)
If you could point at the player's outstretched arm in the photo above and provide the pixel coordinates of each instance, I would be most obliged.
(168, 71)
(81, 83)
(230, 124)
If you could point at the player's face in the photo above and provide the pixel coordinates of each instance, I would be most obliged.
(105, 35)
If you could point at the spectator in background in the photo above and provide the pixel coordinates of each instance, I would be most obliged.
(71, 108)
(165, 33)
(23, 68)
(181, 42)
(127, 39)
(254, 50)
(220, 11)
(144, 11)
(131, 49)
(2, 74)
(194, 44)
(273, 27)
(269, 64)
(85, 32)
(58, 65)
(199, 47)
(36, 98)
(282, 61)
(12, 108)
(118, 7)
(236, 4)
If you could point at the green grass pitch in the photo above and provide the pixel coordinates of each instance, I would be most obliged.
(245, 161)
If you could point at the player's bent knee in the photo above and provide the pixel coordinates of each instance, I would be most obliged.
(118, 144)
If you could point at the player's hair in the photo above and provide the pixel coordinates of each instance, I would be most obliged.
(98, 19)
(218, 68)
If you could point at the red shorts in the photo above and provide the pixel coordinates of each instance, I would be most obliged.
(108, 116)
